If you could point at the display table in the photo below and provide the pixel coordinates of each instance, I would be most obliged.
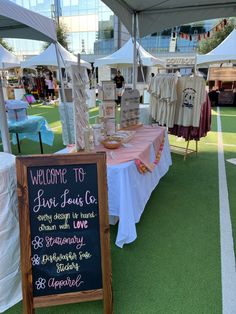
(128, 189)
(10, 279)
(34, 128)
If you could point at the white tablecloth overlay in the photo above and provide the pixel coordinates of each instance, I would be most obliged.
(129, 191)
(10, 276)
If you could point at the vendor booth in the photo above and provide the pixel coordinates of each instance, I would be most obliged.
(17, 22)
(124, 57)
(133, 168)
(49, 58)
(222, 83)
(221, 72)
(7, 61)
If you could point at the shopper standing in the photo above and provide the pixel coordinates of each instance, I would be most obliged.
(49, 81)
(120, 84)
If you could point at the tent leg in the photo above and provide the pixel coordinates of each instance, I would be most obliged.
(134, 35)
(62, 95)
(3, 123)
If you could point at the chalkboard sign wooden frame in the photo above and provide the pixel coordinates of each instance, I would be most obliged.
(30, 302)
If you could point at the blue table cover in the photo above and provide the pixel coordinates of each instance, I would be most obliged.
(29, 128)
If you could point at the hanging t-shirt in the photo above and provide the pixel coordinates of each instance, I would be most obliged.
(163, 105)
(191, 95)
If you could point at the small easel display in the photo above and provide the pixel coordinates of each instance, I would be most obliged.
(108, 107)
(130, 108)
(64, 230)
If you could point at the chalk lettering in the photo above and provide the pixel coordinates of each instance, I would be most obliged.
(45, 217)
(90, 199)
(79, 174)
(65, 226)
(71, 256)
(68, 282)
(47, 228)
(71, 201)
(43, 202)
(67, 267)
(51, 241)
(84, 255)
(58, 216)
(48, 176)
(80, 224)
(87, 215)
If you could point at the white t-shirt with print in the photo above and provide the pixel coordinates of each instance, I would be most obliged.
(191, 95)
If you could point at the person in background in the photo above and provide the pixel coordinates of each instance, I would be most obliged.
(49, 81)
(120, 84)
(151, 82)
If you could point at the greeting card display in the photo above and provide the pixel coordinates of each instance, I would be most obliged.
(109, 109)
(108, 90)
(80, 79)
(64, 230)
(130, 108)
(110, 126)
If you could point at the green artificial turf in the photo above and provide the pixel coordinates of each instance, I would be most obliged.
(228, 122)
(173, 267)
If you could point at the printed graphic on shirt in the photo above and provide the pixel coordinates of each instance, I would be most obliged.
(188, 97)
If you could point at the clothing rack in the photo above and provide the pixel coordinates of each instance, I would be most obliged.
(185, 151)
(184, 115)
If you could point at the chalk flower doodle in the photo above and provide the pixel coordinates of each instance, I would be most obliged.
(40, 283)
(37, 242)
(35, 260)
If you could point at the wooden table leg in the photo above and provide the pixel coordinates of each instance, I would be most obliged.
(18, 142)
(40, 142)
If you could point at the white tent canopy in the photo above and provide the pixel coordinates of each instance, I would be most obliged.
(8, 59)
(18, 22)
(124, 57)
(49, 58)
(157, 15)
(150, 16)
(224, 52)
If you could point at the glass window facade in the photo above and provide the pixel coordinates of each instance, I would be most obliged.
(85, 22)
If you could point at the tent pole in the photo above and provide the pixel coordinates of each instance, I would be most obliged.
(134, 35)
(195, 65)
(3, 123)
(62, 94)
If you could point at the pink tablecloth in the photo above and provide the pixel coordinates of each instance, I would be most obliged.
(138, 147)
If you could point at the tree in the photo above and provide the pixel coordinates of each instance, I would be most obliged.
(6, 45)
(62, 36)
(212, 42)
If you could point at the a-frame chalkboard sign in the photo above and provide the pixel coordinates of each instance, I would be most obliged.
(64, 230)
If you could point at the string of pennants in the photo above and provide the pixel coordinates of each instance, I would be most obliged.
(198, 37)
